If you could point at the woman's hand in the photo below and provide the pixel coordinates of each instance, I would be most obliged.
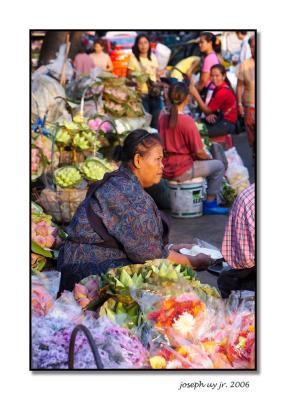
(200, 262)
(211, 119)
(178, 247)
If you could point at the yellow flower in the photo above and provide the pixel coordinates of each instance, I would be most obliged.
(158, 362)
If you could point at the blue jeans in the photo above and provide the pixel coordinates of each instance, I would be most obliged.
(153, 106)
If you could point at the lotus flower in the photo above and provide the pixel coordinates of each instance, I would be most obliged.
(42, 230)
(84, 302)
(80, 291)
(50, 240)
(40, 240)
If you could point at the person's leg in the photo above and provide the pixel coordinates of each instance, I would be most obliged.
(146, 103)
(155, 108)
(214, 171)
(221, 128)
(249, 121)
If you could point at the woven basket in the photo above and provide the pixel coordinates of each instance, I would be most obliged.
(68, 157)
(62, 203)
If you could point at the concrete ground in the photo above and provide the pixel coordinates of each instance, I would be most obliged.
(210, 228)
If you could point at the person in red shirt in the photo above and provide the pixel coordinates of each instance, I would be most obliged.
(221, 111)
(185, 155)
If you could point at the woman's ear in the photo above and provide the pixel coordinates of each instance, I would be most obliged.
(137, 161)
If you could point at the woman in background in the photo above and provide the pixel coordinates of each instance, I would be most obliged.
(185, 155)
(221, 111)
(209, 46)
(100, 58)
(142, 60)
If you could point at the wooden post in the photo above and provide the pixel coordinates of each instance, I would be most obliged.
(63, 72)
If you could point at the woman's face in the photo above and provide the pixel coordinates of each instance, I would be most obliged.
(149, 167)
(143, 45)
(217, 77)
(204, 45)
(98, 48)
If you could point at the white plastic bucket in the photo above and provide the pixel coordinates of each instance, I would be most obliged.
(187, 198)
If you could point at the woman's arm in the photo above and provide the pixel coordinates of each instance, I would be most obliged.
(193, 68)
(202, 155)
(239, 92)
(109, 65)
(194, 92)
(199, 263)
(203, 80)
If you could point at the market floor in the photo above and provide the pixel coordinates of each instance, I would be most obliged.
(209, 228)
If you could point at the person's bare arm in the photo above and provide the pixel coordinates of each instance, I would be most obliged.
(202, 155)
(109, 65)
(194, 92)
(193, 68)
(239, 93)
(199, 263)
(203, 80)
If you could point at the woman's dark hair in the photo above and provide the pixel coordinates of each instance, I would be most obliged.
(177, 94)
(82, 49)
(222, 70)
(242, 32)
(135, 48)
(138, 141)
(99, 41)
(210, 37)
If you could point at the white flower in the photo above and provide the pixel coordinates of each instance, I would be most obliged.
(174, 364)
(184, 324)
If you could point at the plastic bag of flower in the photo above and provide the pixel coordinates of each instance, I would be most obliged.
(241, 341)
(118, 348)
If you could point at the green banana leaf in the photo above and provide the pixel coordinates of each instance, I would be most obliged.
(39, 250)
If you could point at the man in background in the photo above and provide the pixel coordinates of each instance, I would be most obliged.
(238, 247)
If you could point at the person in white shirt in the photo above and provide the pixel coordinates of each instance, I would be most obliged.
(245, 52)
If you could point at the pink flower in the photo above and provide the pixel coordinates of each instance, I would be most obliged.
(84, 302)
(94, 123)
(42, 230)
(50, 240)
(40, 240)
(80, 291)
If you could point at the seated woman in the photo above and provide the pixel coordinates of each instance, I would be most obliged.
(221, 111)
(185, 154)
(118, 223)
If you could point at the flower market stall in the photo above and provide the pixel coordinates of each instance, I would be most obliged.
(151, 316)
(156, 315)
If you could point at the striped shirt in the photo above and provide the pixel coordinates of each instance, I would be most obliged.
(238, 247)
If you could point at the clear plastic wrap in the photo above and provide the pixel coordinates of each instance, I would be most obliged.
(45, 286)
(118, 348)
(236, 173)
